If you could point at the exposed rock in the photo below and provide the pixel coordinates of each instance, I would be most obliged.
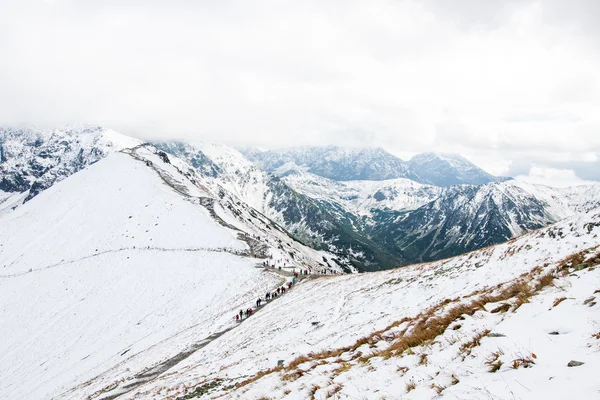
(574, 363)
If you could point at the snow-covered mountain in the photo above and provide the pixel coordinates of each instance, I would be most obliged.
(32, 161)
(337, 163)
(362, 197)
(517, 320)
(120, 280)
(462, 219)
(318, 223)
(368, 225)
(132, 254)
(342, 164)
(448, 170)
(420, 222)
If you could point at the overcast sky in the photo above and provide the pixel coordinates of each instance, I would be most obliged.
(512, 85)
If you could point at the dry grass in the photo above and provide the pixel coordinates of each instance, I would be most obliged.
(402, 370)
(428, 325)
(438, 388)
(454, 380)
(543, 281)
(525, 362)
(596, 335)
(467, 347)
(258, 376)
(504, 307)
(336, 389)
(558, 301)
(342, 368)
(286, 392)
(312, 391)
(494, 362)
(295, 363)
(410, 385)
(423, 359)
(292, 376)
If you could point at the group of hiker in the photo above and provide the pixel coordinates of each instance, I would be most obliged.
(280, 291)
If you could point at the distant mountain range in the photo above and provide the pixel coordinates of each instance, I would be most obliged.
(366, 209)
(375, 164)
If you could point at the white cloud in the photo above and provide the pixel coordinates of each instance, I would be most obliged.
(503, 83)
(552, 177)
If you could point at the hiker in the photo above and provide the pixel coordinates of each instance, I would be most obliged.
(258, 302)
(294, 281)
(289, 285)
(278, 290)
(249, 311)
(241, 314)
(268, 296)
(237, 317)
(282, 290)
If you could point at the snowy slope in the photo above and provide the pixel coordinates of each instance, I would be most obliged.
(125, 265)
(324, 320)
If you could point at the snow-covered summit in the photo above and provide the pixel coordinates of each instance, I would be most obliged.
(344, 164)
(333, 162)
(448, 169)
(32, 160)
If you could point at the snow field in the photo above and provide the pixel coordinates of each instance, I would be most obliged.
(329, 313)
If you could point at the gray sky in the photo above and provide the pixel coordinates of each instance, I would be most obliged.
(512, 85)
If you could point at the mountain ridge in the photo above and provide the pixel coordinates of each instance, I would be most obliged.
(348, 164)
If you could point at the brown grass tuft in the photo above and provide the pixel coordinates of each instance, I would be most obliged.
(454, 380)
(467, 347)
(410, 385)
(438, 388)
(312, 391)
(494, 361)
(336, 389)
(543, 281)
(558, 301)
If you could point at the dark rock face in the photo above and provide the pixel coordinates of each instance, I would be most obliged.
(574, 363)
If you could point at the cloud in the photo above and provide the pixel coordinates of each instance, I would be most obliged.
(504, 83)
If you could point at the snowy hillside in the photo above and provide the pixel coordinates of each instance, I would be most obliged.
(127, 264)
(314, 221)
(517, 320)
(32, 160)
